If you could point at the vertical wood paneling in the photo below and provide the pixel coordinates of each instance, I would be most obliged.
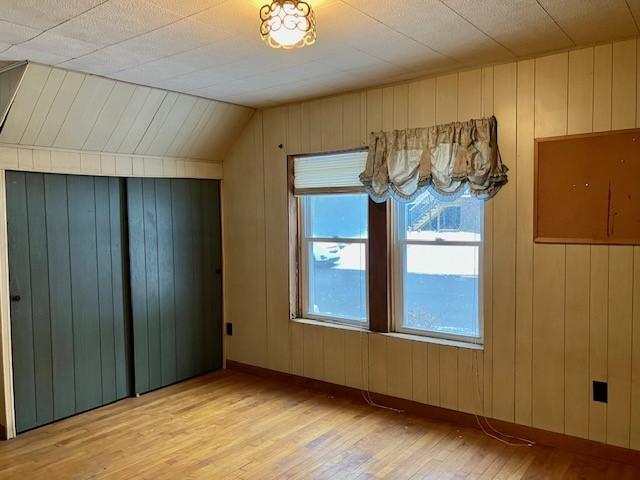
(634, 441)
(166, 283)
(399, 368)
(38, 111)
(84, 299)
(72, 301)
(108, 118)
(351, 121)
(524, 241)
(602, 69)
(24, 102)
(487, 278)
(24, 389)
(294, 129)
(469, 370)
(598, 319)
(447, 111)
(374, 110)
(448, 377)
(620, 341)
(127, 119)
(470, 381)
(315, 126)
(296, 349)
(578, 268)
(105, 289)
(447, 98)
(620, 304)
(433, 374)
(504, 241)
(185, 134)
(623, 88)
(244, 257)
(422, 103)
(60, 293)
(151, 283)
(387, 109)
(122, 351)
(331, 124)
(141, 121)
(83, 112)
(59, 108)
(400, 106)
(158, 116)
(354, 355)
(138, 277)
(547, 333)
(314, 352)
(599, 279)
(549, 263)
(170, 128)
(377, 349)
(419, 359)
(276, 238)
(334, 356)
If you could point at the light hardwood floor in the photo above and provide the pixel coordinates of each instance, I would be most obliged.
(230, 425)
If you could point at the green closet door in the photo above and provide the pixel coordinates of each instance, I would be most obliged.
(176, 289)
(68, 295)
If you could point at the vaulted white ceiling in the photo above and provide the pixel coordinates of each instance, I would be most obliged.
(211, 48)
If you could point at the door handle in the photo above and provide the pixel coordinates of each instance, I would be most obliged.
(16, 298)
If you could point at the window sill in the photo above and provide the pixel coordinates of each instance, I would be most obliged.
(404, 336)
(340, 326)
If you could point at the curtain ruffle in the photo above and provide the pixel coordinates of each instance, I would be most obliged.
(442, 158)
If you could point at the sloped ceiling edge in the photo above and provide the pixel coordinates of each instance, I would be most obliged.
(58, 108)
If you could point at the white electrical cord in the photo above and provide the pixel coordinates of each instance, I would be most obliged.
(495, 434)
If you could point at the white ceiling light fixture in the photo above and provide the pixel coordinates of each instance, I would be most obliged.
(288, 24)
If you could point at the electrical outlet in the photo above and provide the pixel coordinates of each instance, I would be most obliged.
(600, 391)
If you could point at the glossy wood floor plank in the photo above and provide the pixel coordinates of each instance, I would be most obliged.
(235, 426)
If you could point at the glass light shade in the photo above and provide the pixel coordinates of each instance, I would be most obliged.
(287, 24)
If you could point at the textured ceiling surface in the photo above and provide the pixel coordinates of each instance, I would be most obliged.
(211, 48)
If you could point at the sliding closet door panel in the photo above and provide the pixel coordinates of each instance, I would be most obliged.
(59, 263)
(21, 314)
(166, 276)
(183, 279)
(38, 261)
(119, 289)
(152, 297)
(138, 279)
(84, 279)
(212, 264)
(105, 290)
(68, 313)
(173, 249)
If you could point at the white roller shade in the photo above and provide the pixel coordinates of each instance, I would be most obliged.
(333, 171)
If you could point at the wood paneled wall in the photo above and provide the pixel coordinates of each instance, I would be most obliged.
(556, 317)
(57, 108)
(47, 160)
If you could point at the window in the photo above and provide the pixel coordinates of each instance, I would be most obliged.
(334, 257)
(406, 267)
(437, 251)
(332, 238)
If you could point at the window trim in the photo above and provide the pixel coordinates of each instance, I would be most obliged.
(381, 306)
(398, 261)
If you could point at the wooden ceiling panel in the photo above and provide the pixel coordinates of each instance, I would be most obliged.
(55, 108)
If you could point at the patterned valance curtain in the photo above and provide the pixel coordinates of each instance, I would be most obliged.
(442, 158)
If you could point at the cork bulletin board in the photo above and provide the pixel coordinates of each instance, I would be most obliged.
(587, 188)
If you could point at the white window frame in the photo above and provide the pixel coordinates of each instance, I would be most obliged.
(304, 245)
(398, 265)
